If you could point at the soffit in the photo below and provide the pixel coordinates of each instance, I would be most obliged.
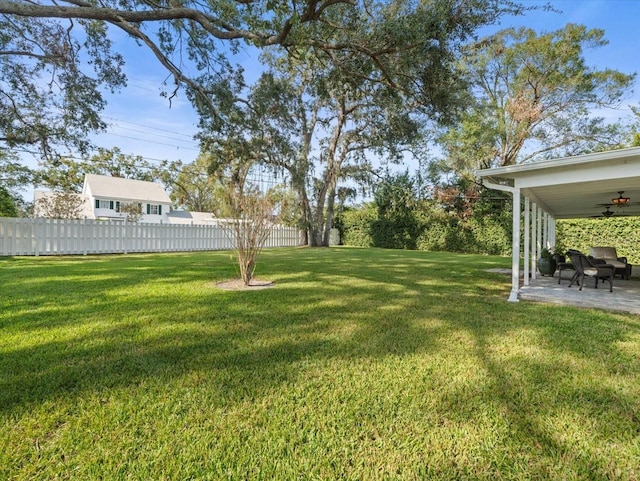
(577, 187)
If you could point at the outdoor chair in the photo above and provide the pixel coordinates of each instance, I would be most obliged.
(585, 268)
(563, 265)
(608, 255)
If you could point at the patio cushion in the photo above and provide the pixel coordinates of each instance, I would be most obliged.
(606, 253)
(590, 271)
(609, 255)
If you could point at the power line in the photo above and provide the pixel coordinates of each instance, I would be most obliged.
(94, 152)
(149, 127)
(152, 141)
(150, 133)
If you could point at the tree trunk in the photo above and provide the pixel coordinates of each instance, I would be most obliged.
(328, 223)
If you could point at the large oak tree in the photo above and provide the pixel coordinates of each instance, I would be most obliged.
(321, 114)
(56, 58)
(535, 98)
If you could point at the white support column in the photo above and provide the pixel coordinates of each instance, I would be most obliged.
(551, 228)
(534, 237)
(515, 246)
(539, 240)
(527, 240)
(515, 258)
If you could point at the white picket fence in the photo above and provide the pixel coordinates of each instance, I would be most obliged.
(35, 237)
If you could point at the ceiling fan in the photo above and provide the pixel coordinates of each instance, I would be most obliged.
(620, 202)
(607, 213)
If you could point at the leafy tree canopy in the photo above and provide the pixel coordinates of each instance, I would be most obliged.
(49, 96)
(535, 94)
(56, 58)
(7, 204)
(322, 112)
(67, 173)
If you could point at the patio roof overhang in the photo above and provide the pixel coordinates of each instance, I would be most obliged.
(566, 188)
(575, 187)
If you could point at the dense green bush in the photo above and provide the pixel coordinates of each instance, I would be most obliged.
(432, 229)
(429, 229)
(7, 204)
(623, 233)
(355, 226)
(490, 236)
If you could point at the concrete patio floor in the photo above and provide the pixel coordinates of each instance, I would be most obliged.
(625, 296)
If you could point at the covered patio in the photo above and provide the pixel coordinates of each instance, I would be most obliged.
(565, 188)
(624, 298)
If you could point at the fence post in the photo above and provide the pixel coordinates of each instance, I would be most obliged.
(38, 230)
(124, 237)
(84, 236)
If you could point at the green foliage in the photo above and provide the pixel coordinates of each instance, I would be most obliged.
(287, 209)
(623, 233)
(397, 225)
(356, 225)
(14, 177)
(359, 364)
(398, 220)
(192, 187)
(67, 173)
(7, 204)
(52, 78)
(546, 253)
(534, 97)
(474, 236)
(321, 112)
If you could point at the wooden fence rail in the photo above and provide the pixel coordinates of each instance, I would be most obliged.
(35, 237)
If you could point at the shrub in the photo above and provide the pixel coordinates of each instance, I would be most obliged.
(356, 226)
(623, 233)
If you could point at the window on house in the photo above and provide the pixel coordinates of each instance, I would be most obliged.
(154, 209)
(104, 204)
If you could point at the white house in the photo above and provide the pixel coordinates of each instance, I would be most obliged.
(106, 195)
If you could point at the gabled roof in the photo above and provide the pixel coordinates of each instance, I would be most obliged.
(117, 188)
(574, 187)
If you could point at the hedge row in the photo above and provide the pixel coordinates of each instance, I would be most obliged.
(623, 233)
(426, 230)
(433, 230)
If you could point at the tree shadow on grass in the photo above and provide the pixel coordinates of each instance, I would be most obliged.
(328, 306)
(557, 395)
(345, 309)
(108, 344)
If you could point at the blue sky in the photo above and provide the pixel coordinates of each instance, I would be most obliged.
(143, 123)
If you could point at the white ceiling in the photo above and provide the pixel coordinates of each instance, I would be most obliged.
(576, 187)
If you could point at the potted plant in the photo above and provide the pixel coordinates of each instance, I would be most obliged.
(547, 264)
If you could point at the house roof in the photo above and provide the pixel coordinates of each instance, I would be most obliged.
(186, 217)
(118, 188)
(579, 186)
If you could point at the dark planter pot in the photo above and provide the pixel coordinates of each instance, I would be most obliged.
(547, 266)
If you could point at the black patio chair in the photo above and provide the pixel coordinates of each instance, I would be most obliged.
(563, 265)
(585, 268)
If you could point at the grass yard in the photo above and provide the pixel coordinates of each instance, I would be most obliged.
(359, 364)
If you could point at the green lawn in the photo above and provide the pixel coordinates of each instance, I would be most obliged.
(359, 364)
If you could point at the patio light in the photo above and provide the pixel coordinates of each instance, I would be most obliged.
(620, 201)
